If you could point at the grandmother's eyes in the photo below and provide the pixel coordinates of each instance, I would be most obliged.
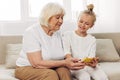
(58, 17)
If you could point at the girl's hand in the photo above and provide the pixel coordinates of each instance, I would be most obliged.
(93, 63)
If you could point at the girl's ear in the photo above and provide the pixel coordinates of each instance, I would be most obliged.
(91, 26)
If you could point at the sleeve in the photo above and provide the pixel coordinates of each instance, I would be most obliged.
(30, 42)
(93, 49)
(66, 43)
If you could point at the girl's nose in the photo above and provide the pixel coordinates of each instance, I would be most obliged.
(83, 24)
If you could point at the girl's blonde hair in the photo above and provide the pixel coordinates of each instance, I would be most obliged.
(48, 11)
(89, 11)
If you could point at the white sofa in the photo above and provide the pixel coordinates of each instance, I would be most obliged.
(109, 54)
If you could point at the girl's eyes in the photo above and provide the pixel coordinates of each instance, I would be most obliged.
(81, 21)
(87, 24)
(84, 23)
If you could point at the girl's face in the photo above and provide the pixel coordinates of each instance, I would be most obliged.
(85, 22)
(55, 22)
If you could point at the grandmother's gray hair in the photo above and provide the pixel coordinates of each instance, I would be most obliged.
(48, 11)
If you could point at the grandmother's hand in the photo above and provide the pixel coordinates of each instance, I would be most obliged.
(74, 63)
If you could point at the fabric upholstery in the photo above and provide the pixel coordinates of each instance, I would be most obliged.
(12, 51)
(106, 50)
(4, 40)
(112, 69)
(7, 74)
(114, 36)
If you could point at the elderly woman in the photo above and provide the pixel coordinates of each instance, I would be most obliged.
(42, 56)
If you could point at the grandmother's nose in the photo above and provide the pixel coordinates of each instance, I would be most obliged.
(61, 20)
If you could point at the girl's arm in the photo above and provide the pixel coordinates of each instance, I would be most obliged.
(92, 52)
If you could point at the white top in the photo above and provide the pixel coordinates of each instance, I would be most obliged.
(79, 47)
(35, 39)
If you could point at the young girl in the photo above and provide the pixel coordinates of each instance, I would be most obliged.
(79, 44)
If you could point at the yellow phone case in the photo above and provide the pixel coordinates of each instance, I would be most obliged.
(87, 60)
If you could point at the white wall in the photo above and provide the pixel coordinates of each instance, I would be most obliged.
(108, 20)
(14, 28)
(108, 16)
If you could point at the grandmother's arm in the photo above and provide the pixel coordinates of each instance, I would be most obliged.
(36, 61)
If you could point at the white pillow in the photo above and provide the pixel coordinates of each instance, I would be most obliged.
(12, 51)
(106, 50)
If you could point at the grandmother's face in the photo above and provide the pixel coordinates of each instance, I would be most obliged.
(55, 22)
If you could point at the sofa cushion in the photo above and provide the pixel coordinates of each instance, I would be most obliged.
(13, 51)
(7, 74)
(112, 69)
(106, 50)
